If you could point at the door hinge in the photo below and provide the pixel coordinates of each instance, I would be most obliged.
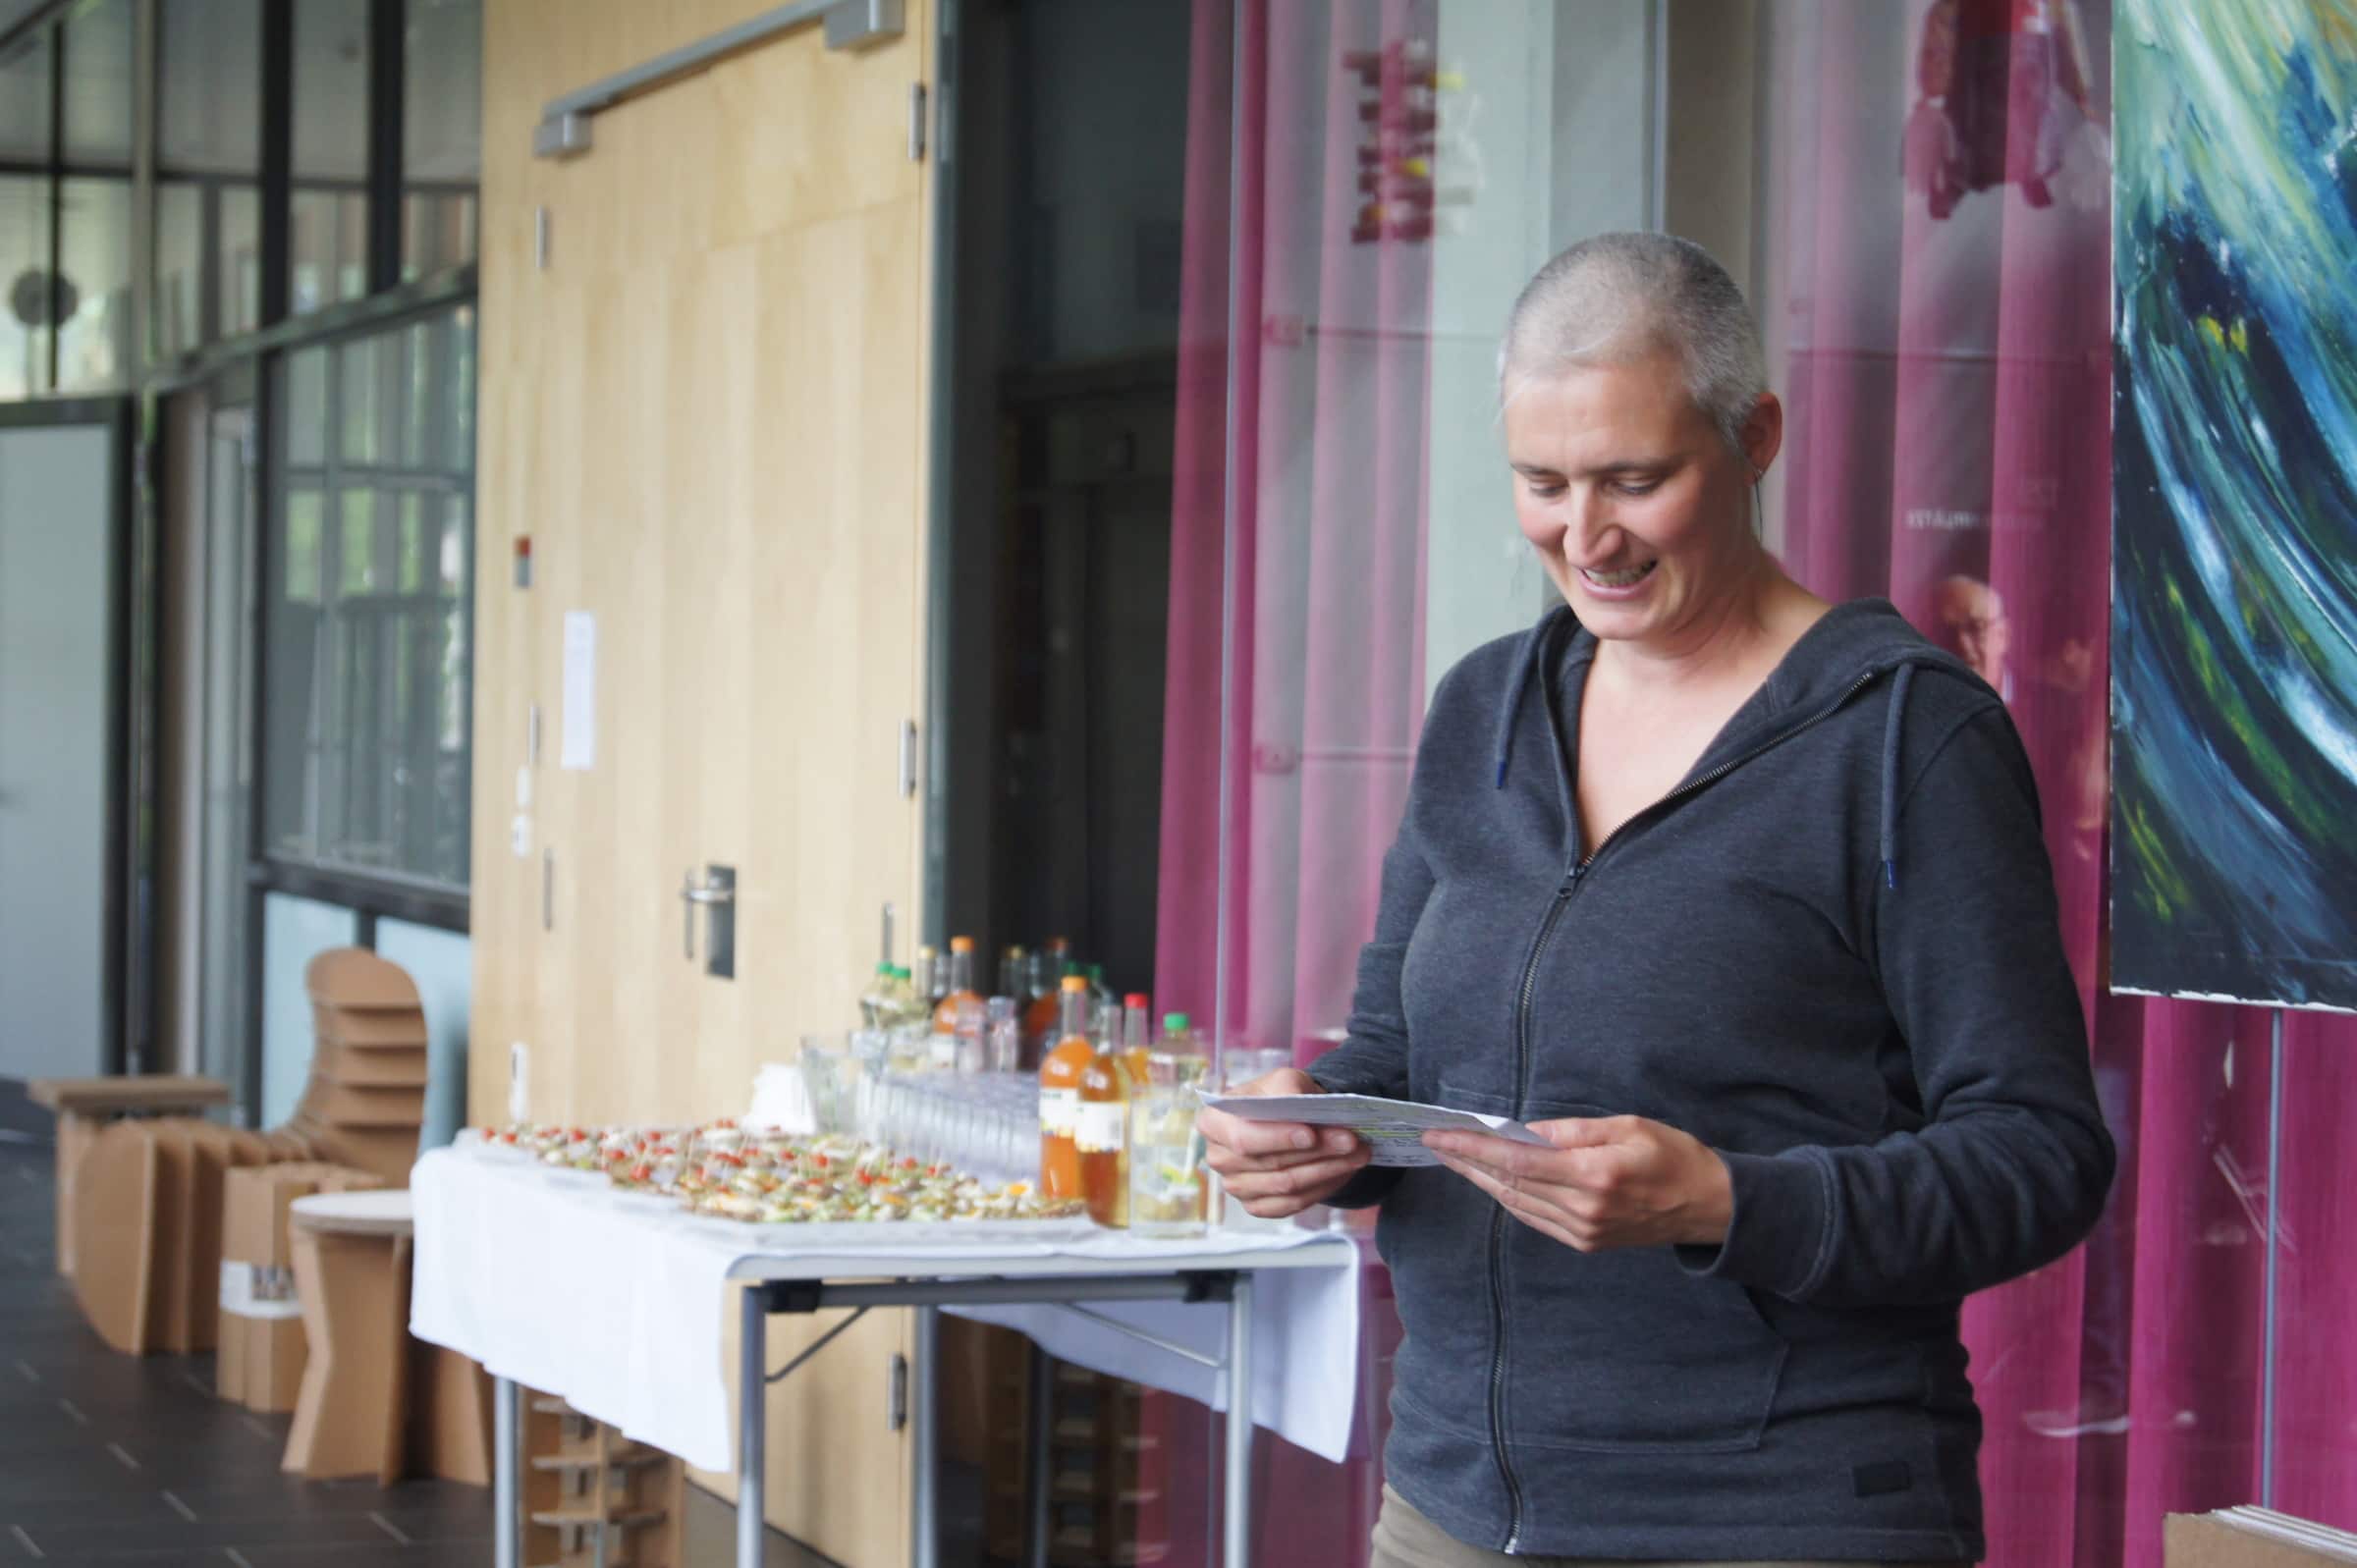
(916, 121)
(895, 1392)
(908, 759)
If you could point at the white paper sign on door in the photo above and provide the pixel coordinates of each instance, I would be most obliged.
(579, 718)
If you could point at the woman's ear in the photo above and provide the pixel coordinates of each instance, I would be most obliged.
(1763, 435)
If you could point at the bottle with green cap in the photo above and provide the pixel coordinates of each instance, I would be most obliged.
(877, 1010)
(1169, 1186)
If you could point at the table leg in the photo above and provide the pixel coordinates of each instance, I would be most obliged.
(1237, 1533)
(924, 1548)
(752, 1390)
(1036, 1422)
(507, 1509)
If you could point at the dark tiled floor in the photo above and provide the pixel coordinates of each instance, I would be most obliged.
(131, 1462)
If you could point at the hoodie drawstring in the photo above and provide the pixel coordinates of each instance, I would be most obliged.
(1892, 730)
(1534, 649)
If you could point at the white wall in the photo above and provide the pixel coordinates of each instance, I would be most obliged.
(55, 623)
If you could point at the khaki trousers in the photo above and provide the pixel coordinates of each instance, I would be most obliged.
(1405, 1539)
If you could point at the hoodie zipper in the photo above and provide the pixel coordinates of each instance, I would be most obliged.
(1498, 1323)
(1563, 893)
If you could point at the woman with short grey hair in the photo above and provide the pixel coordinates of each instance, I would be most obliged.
(1738, 899)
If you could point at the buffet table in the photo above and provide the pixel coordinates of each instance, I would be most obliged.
(614, 1301)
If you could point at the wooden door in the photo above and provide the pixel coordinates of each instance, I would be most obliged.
(702, 402)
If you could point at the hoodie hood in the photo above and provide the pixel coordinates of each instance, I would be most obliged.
(1850, 648)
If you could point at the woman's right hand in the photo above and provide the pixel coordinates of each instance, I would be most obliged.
(1277, 1168)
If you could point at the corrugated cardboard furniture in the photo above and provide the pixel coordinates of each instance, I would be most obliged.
(1098, 1479)
(375, 1401)
(146, 1194)
(2252, 1538)
(83, 1106)
(261, 1345)
(591, 1494)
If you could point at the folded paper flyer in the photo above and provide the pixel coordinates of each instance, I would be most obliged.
(1395, 1127)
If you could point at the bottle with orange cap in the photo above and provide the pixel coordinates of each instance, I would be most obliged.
(1101, 1130)
(963, 986)
(1059, 1073)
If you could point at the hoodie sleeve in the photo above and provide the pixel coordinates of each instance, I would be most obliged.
(2012, 1162)
(1372, 1059)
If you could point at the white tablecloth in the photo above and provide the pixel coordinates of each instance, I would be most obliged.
(616, 1301)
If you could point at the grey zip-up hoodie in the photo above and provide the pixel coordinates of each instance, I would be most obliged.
(1832, 955)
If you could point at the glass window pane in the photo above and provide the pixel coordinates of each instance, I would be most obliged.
(356, 558)
(329, 245)
(441, 134)
(208, 232)
(179, 292)
(306, 408)
(450, 568)
(24, 269)
(412, 543)
(329, 206)
(370, 760)
(362, 415)
(94, 349)
(210, 89)
(240, 267)
(99, 77)
(331, 91)
(304, 540)
(24, 103)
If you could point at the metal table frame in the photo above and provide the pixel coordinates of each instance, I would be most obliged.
(785, 1285)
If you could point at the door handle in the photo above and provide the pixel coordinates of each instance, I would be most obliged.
(717, 893)
(691, 893)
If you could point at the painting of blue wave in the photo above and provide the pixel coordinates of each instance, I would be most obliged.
(2234, 500)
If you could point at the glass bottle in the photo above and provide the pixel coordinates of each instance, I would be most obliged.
(971, 1036)
(928, 975)
(1015, 972)
(1004, 1048)
(1168, 1183)
(1059, 1096)
(876, 1006)
(1101, 1127)
(1097, 986)
(1135, 1040)
(958, 985)
(907, 1027)
(1047, 1008)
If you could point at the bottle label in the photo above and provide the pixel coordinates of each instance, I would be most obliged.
(1100, 1126)
(944, 1052)
(1059, 1109)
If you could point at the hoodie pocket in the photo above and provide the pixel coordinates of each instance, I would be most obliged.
(1625, 1350)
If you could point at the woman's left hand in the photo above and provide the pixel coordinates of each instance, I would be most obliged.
(1610, 1181)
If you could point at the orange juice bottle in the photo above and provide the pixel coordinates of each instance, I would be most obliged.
(1044, 1009)
(1136, 1035)
(1101, 1131)
(1059, 1096)
(961, 986)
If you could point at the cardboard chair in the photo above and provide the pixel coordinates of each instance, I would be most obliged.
(84, 1105)
(145, 1205)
